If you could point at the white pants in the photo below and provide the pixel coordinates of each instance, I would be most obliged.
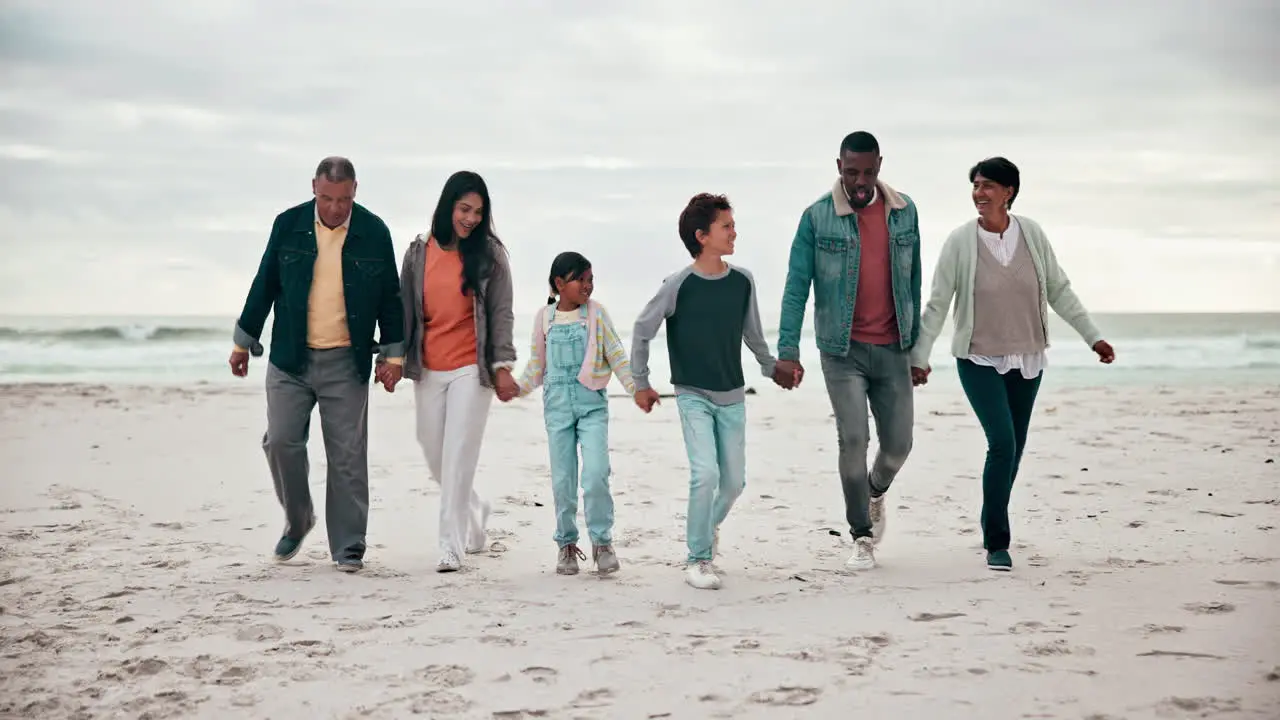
(452, 408)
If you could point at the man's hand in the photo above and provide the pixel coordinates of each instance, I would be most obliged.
(788, 374)
(239, 363)
(505, 385)
(646, 399)
(920, 376)
(1106, 354)
(389, 374)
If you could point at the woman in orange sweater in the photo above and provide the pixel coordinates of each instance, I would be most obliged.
(456, 288)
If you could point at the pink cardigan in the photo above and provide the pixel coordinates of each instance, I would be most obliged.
(605, 354)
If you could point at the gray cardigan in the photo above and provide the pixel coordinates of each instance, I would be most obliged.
(495, 318)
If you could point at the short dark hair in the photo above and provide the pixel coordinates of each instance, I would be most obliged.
(859, 142)
(567, 266)
(336, 169)
(1000, 171)
(701, 211)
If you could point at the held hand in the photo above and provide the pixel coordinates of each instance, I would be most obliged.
(239, 363)
(1106, 354)
(920, 376)
(505, 385)
(646, 399)
(389, 374)
(788, 374)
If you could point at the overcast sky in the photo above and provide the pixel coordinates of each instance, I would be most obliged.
(147, 145)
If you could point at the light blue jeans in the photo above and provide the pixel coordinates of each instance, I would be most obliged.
(576, 416)
(715, 437)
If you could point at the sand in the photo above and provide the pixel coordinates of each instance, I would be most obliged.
(135, 580)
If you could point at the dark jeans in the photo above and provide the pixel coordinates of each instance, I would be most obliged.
(876, 377)
(1003, 404)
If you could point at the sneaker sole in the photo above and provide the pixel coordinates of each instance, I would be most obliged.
(562, 571)
(999, 568)
(349, 568)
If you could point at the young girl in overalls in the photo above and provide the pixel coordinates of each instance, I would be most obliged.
(576, 351)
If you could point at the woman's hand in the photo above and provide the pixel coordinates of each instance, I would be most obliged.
(920, 376)
(1106, 354)
(505, 385)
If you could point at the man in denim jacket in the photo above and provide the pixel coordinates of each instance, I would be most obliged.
(858, 246)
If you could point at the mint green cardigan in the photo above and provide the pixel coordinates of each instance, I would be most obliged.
(953, 280)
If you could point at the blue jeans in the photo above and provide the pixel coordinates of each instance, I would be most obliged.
(576, 416)
(715, 437)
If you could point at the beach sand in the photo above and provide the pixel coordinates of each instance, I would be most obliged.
(135, 578)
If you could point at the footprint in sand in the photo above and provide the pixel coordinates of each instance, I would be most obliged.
(931, 617)
(235, 675)
(599, 697)
(259, 633)
(1057, 647)
(448, 676)
(1251, 584)
(1209, 608)
(439, 702)
(1151, 629)
(786, 696)
(1179, 707)
(543, 675)
(145, 666)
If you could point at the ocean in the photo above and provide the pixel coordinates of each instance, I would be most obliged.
(1150, 349)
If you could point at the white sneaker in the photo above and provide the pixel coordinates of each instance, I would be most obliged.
(702, 575)
(864, 555)
(877, 520)
(449, 562)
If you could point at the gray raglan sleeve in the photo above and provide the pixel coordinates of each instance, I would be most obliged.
(753, 331)
(658, 309)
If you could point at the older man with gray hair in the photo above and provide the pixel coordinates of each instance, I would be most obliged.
(329, 273)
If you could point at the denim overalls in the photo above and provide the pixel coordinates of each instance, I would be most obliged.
(576, 416)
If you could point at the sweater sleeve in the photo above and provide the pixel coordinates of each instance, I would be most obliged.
(941, 293)
(1061, 297)
(655, 312)
(532, 376)
(753, 331)
(615, 353)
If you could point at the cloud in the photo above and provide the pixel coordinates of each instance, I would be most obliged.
(141, 131)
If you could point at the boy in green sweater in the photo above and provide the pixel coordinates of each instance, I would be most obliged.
(710, 309)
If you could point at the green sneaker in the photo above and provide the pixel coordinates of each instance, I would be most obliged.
(287, 546)
(999, 560)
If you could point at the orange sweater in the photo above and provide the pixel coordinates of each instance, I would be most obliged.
(449, 338)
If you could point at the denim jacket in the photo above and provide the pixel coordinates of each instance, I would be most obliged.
(825, 255)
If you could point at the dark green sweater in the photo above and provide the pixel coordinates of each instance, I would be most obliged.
(708, 318)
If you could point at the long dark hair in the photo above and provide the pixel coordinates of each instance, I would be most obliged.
(476, 249)
(567, 266)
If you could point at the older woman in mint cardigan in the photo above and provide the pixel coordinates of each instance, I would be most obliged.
(1001, 273)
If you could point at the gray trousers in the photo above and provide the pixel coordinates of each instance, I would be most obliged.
(877, 376)
(331, 382)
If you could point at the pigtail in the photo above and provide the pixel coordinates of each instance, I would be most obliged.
(551, 299)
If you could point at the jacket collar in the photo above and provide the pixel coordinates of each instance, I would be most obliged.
(892, 199)
(307, 220)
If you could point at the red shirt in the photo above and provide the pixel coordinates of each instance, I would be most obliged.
(875, 319)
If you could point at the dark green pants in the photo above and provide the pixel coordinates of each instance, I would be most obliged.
(1003, 404)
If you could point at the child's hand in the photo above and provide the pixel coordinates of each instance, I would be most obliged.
(646, 399)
